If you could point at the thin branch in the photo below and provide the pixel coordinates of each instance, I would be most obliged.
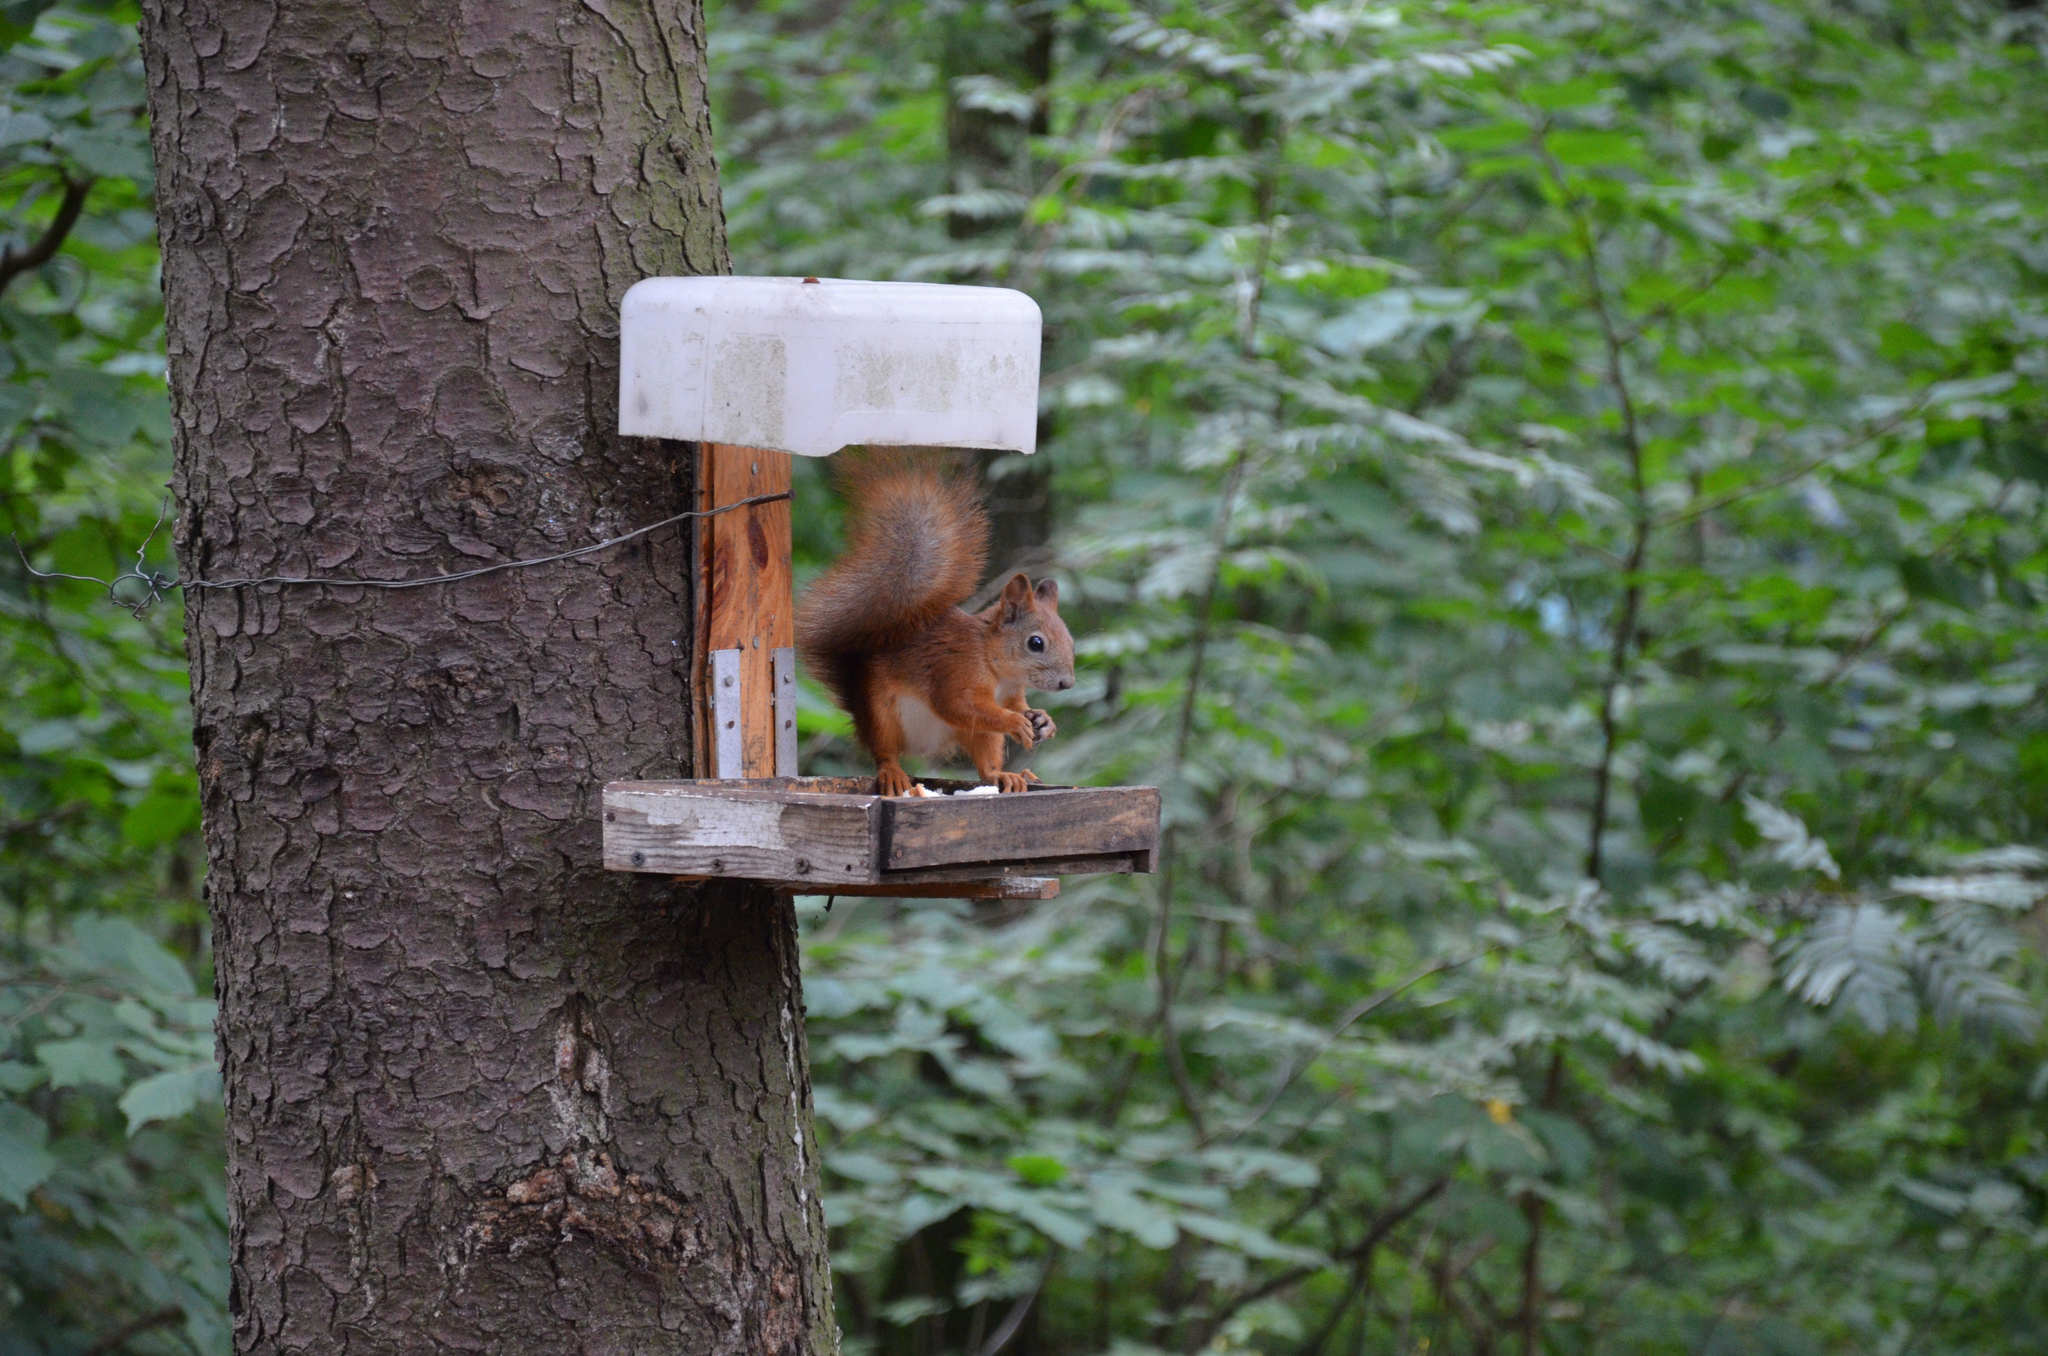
(121, 1336)
(1848, 658)
(1951, 1277)
(1013, 1321)
(1375, 1234)
(44, 822)
(1529, 1318)
(1218, 538)
(1444, 1276)
(1083, 171)
(1639, 537)
(1360, 1288)
(13, 264)
(1686, 296)
(1358, 1011)
(1163, 969)
(1702, 507)
(1483, 1301)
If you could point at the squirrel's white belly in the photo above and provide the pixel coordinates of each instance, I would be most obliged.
(924, 734)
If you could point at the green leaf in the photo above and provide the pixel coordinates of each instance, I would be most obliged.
(81, 1062)
(860, 1167)
(1368, 324)
(1246, 1239)
(17, 1077)
(1067, 1230)
(20, 128)
(47, 736)
(100, 410)
(1570, 1150)
(173, 1093)
(1038, 1169)
(1115, 1205)
(118, 946)
(1595, 149)
(163, 815)
(106, 152)
(1505, 1149)
(983, 1077)
(1492, 136)
(1590, 88)
(24, 1163)
(1939, 580)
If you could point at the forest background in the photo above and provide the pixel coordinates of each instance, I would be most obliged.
(1555, 497)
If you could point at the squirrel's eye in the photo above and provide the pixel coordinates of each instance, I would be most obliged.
(1036, 642)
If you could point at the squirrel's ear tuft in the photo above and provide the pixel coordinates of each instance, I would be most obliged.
(1048, 591)
(1016, 596)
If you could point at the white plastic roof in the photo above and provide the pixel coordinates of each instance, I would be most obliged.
(813, 365)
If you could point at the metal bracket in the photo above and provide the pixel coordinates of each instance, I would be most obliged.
(784, 659)
(725, 714)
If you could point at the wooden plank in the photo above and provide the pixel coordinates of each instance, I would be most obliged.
(1088, 821)
(686, 829)
(747, 602)
(823, 790)
(823, 832)
(982, 887)
(1107, 863)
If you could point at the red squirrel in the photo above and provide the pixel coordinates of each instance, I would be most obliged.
(884, 629)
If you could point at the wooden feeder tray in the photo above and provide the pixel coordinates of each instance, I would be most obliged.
(835, 835)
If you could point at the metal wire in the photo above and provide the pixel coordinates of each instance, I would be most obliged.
(156, 584)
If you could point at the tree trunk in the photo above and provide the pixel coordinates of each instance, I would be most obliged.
(481, 1095)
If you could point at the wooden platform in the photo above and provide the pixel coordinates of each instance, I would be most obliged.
(834, 835)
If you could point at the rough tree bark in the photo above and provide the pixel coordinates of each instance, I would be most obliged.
(481, 1096)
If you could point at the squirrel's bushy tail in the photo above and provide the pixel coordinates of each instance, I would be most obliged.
(917, 541)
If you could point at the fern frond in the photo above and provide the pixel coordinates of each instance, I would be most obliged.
(1790, 841)
(1857, 954)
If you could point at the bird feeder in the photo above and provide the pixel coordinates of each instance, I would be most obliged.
(753, 371)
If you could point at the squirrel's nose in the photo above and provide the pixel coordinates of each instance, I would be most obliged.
(1066, 683)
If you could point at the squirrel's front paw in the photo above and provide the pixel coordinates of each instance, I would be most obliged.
(1008, 782)
(1042, 727)
(892, 780)
(1022, 729)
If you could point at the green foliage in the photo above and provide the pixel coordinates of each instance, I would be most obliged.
(112, 1208)
(1554, 497)
(112, 1203)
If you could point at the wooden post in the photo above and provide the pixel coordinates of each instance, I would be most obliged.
(746, 616)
